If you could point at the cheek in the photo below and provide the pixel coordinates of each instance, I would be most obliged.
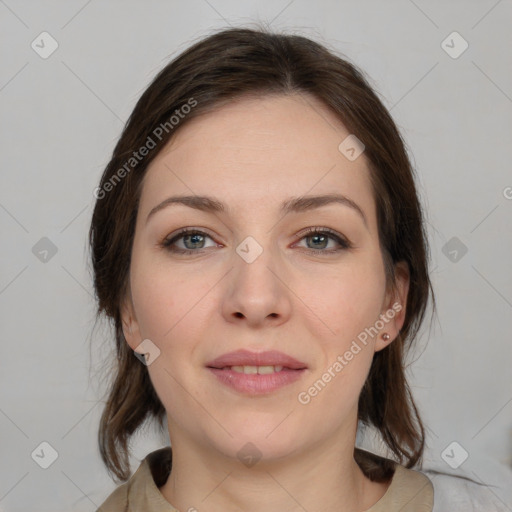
(349, 309)
(169, 309)
(164, 298)
(156, 305)
(346, 300)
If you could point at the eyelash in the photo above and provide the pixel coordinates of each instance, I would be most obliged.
(344, 243)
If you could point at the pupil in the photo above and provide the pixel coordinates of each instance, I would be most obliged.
(194, 238)
(317, 237)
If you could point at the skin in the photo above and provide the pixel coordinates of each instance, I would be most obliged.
(253, 154)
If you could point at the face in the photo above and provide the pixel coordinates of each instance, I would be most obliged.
(254, 276)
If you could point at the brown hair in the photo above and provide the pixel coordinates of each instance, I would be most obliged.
(213, 71)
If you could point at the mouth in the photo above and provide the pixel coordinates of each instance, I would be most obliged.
(253, 370)
(256, 373)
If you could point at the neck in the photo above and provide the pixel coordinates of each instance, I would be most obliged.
(324, 479)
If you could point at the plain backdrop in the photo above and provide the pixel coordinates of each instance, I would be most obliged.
(61, 115)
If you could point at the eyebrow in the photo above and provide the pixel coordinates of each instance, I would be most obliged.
(292, 205)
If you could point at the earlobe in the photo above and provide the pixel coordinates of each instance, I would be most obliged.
(395, 307)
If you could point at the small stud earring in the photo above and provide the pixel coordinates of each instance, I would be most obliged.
(385, 336)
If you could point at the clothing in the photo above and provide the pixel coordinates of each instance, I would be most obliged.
(453, 493)
(409, 491)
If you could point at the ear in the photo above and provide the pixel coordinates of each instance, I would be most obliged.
(394, 307)
(131, 329)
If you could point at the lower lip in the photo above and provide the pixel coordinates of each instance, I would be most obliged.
(255, 384)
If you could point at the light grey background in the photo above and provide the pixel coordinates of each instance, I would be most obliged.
(61, 117)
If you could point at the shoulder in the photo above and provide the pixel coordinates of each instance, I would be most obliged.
(141, 491)
(117, 501)
(410, 491)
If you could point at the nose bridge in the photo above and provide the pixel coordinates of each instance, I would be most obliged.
(254, 261)
(256, 289)
(257, 248)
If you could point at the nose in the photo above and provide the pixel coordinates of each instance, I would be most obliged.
(257, 291)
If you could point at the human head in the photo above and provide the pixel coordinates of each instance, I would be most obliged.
(213, 73)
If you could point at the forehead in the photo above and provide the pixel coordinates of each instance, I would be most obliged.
(257, 152)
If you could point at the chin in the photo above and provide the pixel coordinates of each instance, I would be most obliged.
(259, 443)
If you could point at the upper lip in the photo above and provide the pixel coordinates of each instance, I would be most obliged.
(247, 358)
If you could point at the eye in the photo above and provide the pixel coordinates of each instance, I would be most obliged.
(319, 240)
(193, 240)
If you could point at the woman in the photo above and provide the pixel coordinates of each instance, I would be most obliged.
(258, 242)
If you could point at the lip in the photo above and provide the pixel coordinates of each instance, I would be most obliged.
(255, 384)
(247, 358)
